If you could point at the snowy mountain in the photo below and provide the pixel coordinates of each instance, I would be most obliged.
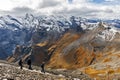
(29, 29)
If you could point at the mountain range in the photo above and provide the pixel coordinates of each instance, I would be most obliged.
(67, 42)
(29, 29)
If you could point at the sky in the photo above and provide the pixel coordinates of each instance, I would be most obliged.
(103, 9)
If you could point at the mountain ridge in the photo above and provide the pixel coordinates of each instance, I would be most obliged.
(30, 29)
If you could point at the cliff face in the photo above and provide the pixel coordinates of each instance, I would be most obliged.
(77, 50)
(76, 57)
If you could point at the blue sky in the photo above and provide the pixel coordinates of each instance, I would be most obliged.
(94, 1)
(98, 1)
(106, 2)
(70, 1)
(83, 8)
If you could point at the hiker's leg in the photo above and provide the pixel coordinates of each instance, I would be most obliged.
(31, 67)
(21, 67)
(43, 70)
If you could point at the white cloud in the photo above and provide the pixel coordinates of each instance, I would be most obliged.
(6, 5)
(10, 4)
(49, 3)
(83, 8)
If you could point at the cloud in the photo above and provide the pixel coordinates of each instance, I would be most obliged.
(49, 3)
(83, 8)
(22, 10)
(18, 11)
(87, 12)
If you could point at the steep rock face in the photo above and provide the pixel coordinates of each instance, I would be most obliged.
(108, 62)
(84, 50)
(76, 57)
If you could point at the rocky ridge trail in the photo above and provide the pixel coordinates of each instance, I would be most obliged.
(12, 72)
(9, 72)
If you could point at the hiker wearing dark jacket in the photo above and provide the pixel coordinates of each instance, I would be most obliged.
(20, 64)
(29, 63)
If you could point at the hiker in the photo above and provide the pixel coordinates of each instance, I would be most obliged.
(20, 63)
(42, 67)
(29, 63)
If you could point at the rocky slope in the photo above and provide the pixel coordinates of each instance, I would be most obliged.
(97, 56)
(12, 72)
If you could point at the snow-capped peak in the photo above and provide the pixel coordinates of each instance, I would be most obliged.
(21, 30)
